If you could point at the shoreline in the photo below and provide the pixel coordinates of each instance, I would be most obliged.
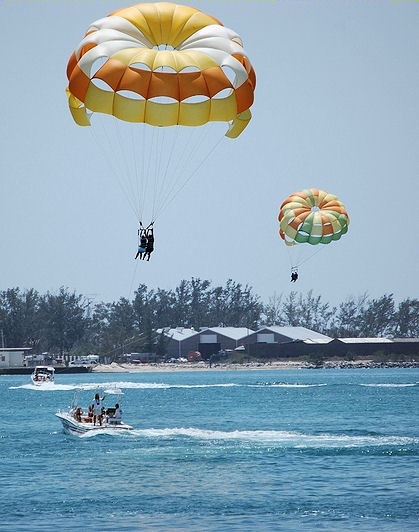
(274, 365)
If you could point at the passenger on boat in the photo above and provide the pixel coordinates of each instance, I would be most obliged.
(97, 409)
(78, 413)
(118, 413)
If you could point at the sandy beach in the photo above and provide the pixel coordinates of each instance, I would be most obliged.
(274, 365)
(195, 366)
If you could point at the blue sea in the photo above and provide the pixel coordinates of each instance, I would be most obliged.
(216, 450)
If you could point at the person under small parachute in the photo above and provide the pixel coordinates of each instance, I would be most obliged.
(311, 216)
(294, 274)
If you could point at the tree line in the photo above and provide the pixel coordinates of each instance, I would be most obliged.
(69, 323)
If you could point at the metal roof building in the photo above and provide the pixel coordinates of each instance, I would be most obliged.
(275, 334)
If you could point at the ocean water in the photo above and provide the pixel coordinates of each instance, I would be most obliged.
(216, 450)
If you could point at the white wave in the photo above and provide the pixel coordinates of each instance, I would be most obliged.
(101, 432)
(285, 385)
(163, 386)
(116, 386)
(390, 385)
(47, 387)
(283, 438)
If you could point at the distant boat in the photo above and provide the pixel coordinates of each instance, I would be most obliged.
(43, 375)
(75, 421)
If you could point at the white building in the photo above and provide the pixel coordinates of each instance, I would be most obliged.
(12, 357)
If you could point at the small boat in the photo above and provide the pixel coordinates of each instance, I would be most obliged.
(76, 421)
(43, 375)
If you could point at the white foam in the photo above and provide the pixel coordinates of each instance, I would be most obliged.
(285, 385)
(283, 438)
(47, 387)
(390, 385)
(110, 387)
(93, 433)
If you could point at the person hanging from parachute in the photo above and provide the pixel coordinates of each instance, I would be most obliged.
(149, 67)
(311, 216)
(150, 242)
(142, 241)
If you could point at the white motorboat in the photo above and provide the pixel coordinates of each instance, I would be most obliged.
(43, 375)
(76, 421)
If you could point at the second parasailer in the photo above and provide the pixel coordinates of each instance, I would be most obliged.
(311, 216)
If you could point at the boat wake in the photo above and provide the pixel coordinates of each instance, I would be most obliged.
(283, 438)
(108, 387)
(45, 387)
(287, 385)
(391, 385)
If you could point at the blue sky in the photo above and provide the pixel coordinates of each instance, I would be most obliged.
(336, 107)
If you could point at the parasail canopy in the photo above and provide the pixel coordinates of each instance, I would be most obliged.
(162, 64)
(312, 216)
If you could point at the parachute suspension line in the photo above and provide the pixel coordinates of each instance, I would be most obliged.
(130, 180)
(134, 148)
(153, 164)
(199, 165)
(298, 256)
(141, 181)
(179, 164)
(178, 184)
(311, 255)
(168, 165)
(158, 155)
(169, 181)
(291, 259)
(160, 149)
(106, 151)
(149, 166)
(125, 166)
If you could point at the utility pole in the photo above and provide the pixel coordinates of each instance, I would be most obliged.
(2, 338)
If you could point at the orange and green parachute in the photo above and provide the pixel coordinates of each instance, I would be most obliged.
(130, 61)
(158, 82)
(312, 216)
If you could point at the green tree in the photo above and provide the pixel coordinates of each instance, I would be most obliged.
(378, 318)
(407, 319)
(347, 321)
(273, 311)
(63, 318)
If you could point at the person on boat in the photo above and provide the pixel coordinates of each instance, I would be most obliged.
(78, 413)
(150, 242)
(97, 408)
(142, 244)
(118, 414)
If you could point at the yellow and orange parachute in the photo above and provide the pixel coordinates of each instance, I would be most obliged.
(312, 216)
(133, 59)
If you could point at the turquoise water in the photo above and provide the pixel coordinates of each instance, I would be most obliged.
(216, 450)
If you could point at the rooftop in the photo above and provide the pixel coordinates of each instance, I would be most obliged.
(178, 333)
(6, 349)
(296, 333)
(377, 340)
(231, 332)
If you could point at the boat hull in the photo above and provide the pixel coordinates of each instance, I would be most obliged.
(72, 426)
